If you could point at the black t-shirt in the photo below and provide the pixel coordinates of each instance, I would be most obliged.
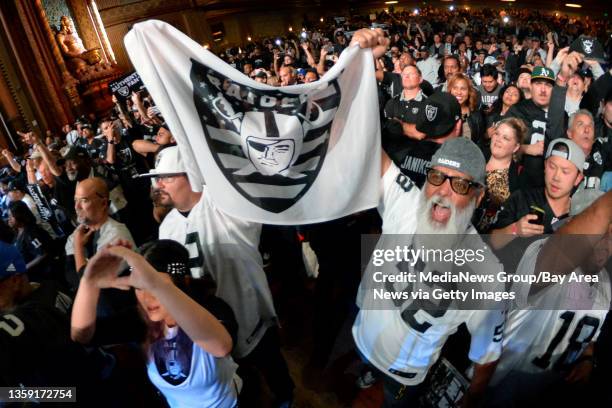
(536, 120)
(35, 345)
(413, 157)
(96, 150)
(517, 206)
(595, 165)
(128, 164)
(61, 200)
(406, 111)
(603, 134)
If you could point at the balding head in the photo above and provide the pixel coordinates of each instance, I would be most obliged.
(287, 75)
(91, 201)
(96, 185)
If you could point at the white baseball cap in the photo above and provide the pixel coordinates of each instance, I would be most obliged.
(167, 163)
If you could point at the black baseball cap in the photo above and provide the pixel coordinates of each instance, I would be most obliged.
(438, 115)
(523, 70)
(590, 47)
(16, 186)
(72, 153)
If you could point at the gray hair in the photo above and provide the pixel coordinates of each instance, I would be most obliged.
(579, 112)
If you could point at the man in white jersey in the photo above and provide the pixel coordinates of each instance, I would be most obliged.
(551, 330)
(404, 344)
(226, 248)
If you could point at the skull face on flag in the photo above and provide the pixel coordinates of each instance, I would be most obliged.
(271, 154)
(269, 144)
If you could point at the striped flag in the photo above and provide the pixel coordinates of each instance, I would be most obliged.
(291, 155)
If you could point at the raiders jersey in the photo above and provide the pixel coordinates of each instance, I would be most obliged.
(400, 339)
(227, 249)
(35, 345)
(549, 334)
(188, 376)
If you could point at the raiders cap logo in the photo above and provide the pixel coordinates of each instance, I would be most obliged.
(123, 91)
(587, 46)
(265, 138)
(431, 112)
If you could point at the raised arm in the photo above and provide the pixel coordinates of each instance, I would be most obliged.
(321, 64)
(10, 158)
(33, 139)
(46, 155)
(309, 58)
(423, 36)
(376, 40)
(569, 246)
(83, 319)
(197, 322)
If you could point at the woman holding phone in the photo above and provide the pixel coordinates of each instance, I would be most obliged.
(177, 322)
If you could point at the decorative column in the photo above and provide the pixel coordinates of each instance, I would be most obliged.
(69, 83)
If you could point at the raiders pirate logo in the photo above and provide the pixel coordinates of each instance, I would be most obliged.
(124, 91)
(415, 110)
(270, 145)
(587, 46)
(597, 157)
(431, 112)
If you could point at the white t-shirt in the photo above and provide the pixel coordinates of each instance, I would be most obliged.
(550, 334)
(227, 249)
(200, 379)
(405, 345)
(109, 232)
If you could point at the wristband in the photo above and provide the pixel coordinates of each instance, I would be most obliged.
(514, 229)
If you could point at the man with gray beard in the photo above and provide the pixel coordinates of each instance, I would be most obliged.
(402, 339)
(76, 164)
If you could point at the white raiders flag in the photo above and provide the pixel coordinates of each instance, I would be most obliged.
(293, 155)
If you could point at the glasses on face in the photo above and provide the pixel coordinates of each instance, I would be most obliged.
(459, 185)
(168, 178)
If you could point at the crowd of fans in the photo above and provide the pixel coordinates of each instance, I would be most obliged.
(74, 209)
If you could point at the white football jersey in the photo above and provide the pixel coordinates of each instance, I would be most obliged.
(227, 249)
(550, 334)
(404, 342)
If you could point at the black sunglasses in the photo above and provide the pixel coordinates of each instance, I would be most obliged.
(459, 185)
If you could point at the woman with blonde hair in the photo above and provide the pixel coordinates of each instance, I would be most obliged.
(461, 88)
(502, 170)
